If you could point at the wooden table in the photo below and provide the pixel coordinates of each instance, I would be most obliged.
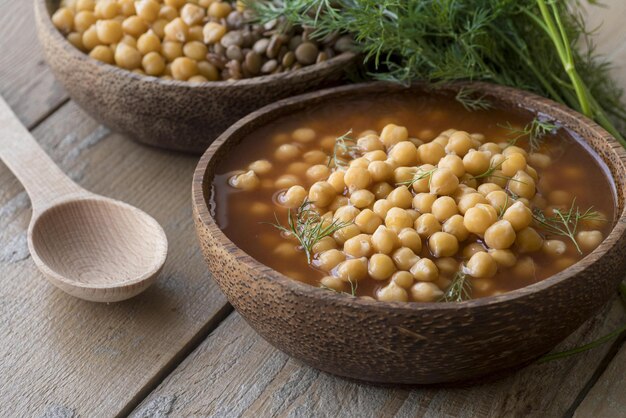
(179, 349)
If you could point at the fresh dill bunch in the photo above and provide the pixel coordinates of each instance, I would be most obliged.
(459, 290)
(535, 131)
(566, 223)
(308, 227)
(536, 45)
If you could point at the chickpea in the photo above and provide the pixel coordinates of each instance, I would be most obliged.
(487, 188)
(392, 293)
(367, 221)
(213, 32)
(127, 7)
(261, 167)
(471, 249)
(443, 182)
(134, 26)
(362, 198)
(409, 238)
(360, 162)
(127, 57)
(381, 207)
(455, 226)
(413, 214)
(322, 193)
(442, 244)
(338, 202)
(352, 270)
(380, 171)
(500, 200)
(564, 262)
(404, 258)
(392, 134)
(370, 142)
(384, 240)
(82, 21)
(532, 173)
(303, 135)
(195, 50)
(490, 148)
(404, 153)
(480, 217)
(504, 258)
(382, 190)
(525, 267)
(334, 283)
(285, 250)
(397, 219)
(176, 30)
(106, 9)
(400, 197)
(404, 279)
(90, 38)
(153, 64)
(425, 292)
(192, 14)
(560, 197)
(425, 270)
(219, 10)
(315, 157)
(109, 31)
(286, 152)
(444, 208)
(336, 180)
(88, 5)
(293, 197)
(325, 244)
(297, 168)
(454, 163)
(345, 233)
(171, 50)
(286, 181)
(476, 162)
(441, 140)
(381, 267)
(459, 143)
(377, 155)
(513, 163)
(358, 246)
(447, 266)
(539, 160)
(426, 225)
(469, 201)
(522, 185)
(500, 235)
(357, 178)
(318, 172)
(423, 202)
(177, 4)
(246, 181)
(102, 53)
(589, 240)
(481, 265)
(528, 240)
(76, 39)
(554, 247)
(430, 153)
(519, 216)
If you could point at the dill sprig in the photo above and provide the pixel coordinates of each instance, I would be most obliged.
(308, 227)
(534, 131)
(459, 290)
(419, 175)
(471, 101)
(566, 223)
(353, 287)
(536, 45)
(341, 145)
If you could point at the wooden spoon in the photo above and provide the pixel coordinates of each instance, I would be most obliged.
(90, 246)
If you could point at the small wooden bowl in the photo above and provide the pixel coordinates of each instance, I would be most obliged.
(164, 113)
(413, 342)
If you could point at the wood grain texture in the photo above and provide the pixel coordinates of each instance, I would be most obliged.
(58, 353)
(235, 373)
(26, 82)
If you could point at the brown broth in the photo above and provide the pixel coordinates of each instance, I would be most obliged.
(573, 169)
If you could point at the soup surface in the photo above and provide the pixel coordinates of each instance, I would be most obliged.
(404, 198)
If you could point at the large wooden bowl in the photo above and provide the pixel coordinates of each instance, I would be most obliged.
(169, 114)
(412, 342)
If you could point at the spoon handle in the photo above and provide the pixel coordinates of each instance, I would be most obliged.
(44, 182)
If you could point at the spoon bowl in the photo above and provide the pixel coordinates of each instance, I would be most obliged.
(98, 249)
(92, 247)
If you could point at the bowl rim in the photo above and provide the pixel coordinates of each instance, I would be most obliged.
(44, 22)
(199, 200)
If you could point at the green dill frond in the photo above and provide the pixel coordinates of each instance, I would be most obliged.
(471, 100)
(459, 290)
(419, 175)
(345, 145)
(534, 131)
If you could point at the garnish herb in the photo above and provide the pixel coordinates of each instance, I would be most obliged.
(353, 287)
(419, 175)
(492, 169)
(459, 290)
(536, 45)
(342, 146)
(565, 223)
(534, 131)
(308, 227)
(470, 101)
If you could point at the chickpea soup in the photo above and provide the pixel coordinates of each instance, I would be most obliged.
(409, 198)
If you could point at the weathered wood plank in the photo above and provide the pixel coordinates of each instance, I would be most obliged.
(58, 353)
(26, 83)
(235, 373)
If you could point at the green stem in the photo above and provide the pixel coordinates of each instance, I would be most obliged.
(593, 344)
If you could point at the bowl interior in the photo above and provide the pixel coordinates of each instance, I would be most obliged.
(594, 139)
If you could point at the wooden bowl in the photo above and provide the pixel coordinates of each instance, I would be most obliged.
(413, 342)
(169, 114)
